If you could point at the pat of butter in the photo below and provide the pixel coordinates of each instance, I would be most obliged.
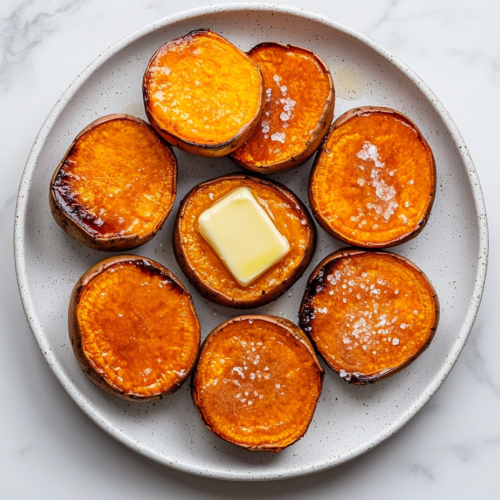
(243, 235)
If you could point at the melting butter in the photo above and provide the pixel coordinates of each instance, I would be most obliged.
(243, 235)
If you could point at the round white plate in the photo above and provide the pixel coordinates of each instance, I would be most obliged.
(452, 250)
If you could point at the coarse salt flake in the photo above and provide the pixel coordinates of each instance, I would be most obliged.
(279, 136)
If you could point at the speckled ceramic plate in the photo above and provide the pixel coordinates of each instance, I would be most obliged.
(452, 250)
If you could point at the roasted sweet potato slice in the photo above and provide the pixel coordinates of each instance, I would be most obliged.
(257, 382)
(369, 314)
(203, 94)
(203, 267)
(374, 179)
(133, 328)
(116, 184)
(299, 109)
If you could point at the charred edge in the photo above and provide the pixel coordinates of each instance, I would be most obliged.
(358, 378)
(198, 31)
(152, 270)
(68, 201)
(306, 317)
(316, 285)
(145, 91)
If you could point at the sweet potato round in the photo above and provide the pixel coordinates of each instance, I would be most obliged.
(133, 328)
(203, 94)
(299, 109)
(257, 382)
(369, 314)
(374, 179)
(203, 267)
(116, 184)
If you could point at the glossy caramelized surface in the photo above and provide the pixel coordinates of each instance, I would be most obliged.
(257, 382)
(298, 90)
(291, 220)
(374, 180)
(118, 179)
(368, 314)
(202, 89)
(138, 328)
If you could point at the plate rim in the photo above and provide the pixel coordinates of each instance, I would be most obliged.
(30, 310)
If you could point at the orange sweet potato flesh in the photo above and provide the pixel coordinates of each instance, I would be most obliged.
(369, 314)
(374, 179)
(257, 382)
(133, 328)
(116, 184)
(203, 94)
(299, 109)
(203, 267)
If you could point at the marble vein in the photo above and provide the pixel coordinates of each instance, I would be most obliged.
(29, 24)
(385, 17)
(477, 363)
(419, 470)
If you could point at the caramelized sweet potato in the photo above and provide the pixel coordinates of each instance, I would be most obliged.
(203, 267)
(116, 184)
(374, 179)
(133, 328)
(369, 314)
(299, 109)
(257, 382)
(203, 94)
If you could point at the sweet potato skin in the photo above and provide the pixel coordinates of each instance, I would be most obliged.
(319, 128)
(79, 233)
(267, 295)
(214, 149)
(316, 209)
(196, 388)
(75, 333)
(316, 285)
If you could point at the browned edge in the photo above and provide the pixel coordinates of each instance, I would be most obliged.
(320, 129)
(79, 233)
(220, 298)
(296, 332)
(312, 284)
(75, 334)
(365, 110)
(208, 150)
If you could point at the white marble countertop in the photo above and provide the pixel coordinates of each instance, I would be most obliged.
(451, 449)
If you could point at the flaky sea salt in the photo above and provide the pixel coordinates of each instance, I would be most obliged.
(383, 191)
(279, 136)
